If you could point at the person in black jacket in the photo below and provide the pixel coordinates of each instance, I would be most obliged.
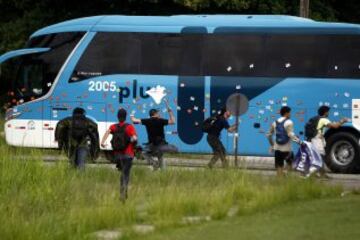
(213, 137)
(79, 137)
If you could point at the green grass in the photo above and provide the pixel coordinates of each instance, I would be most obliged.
(55, 202)
(320, 219)
(41, 201)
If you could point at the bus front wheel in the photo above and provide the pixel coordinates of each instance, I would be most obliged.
(343, 153)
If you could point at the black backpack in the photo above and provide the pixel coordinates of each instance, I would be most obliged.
(311, 128)
(281, 133)
(120, 140)
(79, 128)
(208, 124)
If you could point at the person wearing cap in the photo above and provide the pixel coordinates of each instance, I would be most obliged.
(157, 144)
(213, 137)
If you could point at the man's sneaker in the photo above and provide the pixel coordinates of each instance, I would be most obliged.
(118, 166)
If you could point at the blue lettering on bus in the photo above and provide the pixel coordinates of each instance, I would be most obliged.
(125, 92)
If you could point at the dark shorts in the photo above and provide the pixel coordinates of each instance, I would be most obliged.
(281, 157)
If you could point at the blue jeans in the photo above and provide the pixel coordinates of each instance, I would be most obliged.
(124, 164)
(79, 157)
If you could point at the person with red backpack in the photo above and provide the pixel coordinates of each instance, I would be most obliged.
(283, 128)
(123, 143)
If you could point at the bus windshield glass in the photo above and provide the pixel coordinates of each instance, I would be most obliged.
(31, 76)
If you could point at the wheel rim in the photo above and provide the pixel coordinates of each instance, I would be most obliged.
(342, 153)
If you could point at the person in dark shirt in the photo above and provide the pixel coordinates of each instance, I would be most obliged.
(213, 138)
(157, 144)
(155, 127)
(79, 137)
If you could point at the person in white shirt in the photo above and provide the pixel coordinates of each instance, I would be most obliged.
(283, 128)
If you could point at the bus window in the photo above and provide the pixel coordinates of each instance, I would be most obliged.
(171, 53)
(29, 81)
(145, 53)
(151, 52)
(234, 55)
(191, 55)
(109, 53)
(344, 55)
(31, 76)
(296, 55)
(160, 53)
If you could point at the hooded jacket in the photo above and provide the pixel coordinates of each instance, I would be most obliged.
(66, 143)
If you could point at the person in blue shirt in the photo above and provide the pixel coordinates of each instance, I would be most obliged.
(213, 137)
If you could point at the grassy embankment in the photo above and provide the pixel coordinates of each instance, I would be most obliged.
(329, 219)
(38, 201)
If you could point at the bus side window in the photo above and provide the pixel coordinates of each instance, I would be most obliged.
(234, 55)
(109, 53)
(294, 55)
(344, 57)
(191, 56)
(151, 54)
(160, 53)
(171, 53)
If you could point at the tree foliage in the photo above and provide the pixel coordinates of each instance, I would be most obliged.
(19, 18)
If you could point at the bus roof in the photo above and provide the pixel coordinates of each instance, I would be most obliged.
(176, 23)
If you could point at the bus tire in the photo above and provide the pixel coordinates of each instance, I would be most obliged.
(343, 153)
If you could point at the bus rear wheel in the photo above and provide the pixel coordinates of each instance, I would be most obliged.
(343, 153)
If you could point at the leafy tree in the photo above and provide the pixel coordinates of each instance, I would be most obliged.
(19, 18)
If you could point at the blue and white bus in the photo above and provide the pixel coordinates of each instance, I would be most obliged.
(103, 63)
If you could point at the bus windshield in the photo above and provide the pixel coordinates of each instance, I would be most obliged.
(25, 77)
(31, 76)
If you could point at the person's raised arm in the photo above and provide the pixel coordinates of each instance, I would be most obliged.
(171, 114)
(135, 120)
(104, 138)
(337, 124)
